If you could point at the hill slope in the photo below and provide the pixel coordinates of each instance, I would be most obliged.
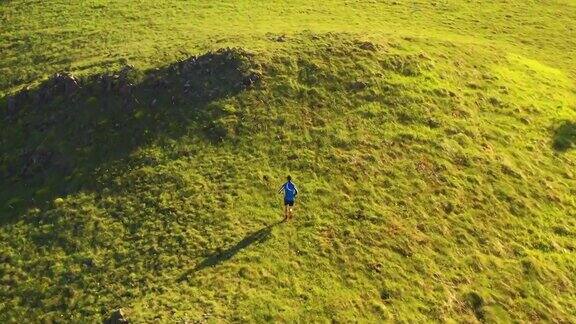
(436, 176)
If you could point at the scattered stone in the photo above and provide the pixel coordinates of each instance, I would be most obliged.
(37, 97)
(495, 101)
(385, 295)
(161, 84)
(11, 104)
(448, 207)
(63, 83)
(187, 87)
(368, 46)
(473, 85)
(117, 317)
(424, 56)
(376, 267)
(292, 157)
(433, 122)
(126, 72)
(358, 85)
(252, 79)
(35, 161)
(281, 38)
(125, 89)
(88, 263)
(23, 95)
(106, 81)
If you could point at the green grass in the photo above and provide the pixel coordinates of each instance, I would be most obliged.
(38, 40)
(432, 144)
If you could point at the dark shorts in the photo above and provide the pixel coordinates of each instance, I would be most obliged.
(288, 202)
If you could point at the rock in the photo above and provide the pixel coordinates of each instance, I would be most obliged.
(63, 83)
(11, 104)
(36, 161)
(117, 317)
(385, 294)
(37, 98)
(126, 71)
(473, 85)
(358, 85)
(24, 94)
(88, 263)
(368, 46)
(124, 79)
(160, 84)
(107, 82)
(281, 38)
(252, 79)
(71, 85)
(189, 64)
(187, 87)
(125, 89)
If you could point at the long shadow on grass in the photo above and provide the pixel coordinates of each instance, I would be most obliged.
(220, 256)
(564, 137)
(55, 139)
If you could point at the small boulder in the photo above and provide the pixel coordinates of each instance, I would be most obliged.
(11, 105)
(107, 83)
(125, 89)
(117, 317)
(35, 162)
(368, 46)
(281, 38)
(358, 85)
(127, 72)
(252, 79)
(37, 98)
(66, 83)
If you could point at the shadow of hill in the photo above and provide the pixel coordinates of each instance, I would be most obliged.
(54, 136)
(220, 256)
(564, 137)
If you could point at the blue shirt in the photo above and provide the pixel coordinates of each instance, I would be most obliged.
(290, 191)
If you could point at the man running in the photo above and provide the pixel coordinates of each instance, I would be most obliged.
(290, 193)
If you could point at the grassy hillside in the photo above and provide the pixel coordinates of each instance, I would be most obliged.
(92, 36)
(432, 144)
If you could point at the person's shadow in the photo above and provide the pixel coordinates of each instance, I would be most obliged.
(220, 256)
